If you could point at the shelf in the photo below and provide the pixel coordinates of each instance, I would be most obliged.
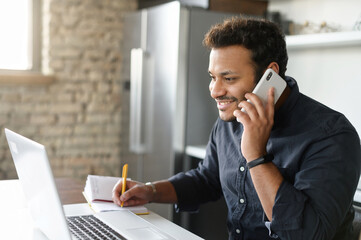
(196, 151)
(323, 40)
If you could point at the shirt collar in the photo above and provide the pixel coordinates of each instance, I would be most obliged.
(282, 113)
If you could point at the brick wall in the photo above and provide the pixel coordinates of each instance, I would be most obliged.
(77, 117)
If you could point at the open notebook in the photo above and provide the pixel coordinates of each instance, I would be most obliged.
(98, 193)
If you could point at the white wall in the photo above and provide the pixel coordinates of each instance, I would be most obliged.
(336, 12)
(331, 75)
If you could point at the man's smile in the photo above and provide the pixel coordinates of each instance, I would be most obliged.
(225, 103)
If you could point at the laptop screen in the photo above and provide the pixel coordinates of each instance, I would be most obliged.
(36, 178)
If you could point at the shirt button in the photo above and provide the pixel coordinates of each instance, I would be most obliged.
(241, 169)
(241, 200)
(238, 231)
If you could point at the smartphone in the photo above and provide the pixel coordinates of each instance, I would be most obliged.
(269, 79)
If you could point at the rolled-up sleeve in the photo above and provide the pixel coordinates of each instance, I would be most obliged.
(288, 208)
(199, 185)
(322, 193)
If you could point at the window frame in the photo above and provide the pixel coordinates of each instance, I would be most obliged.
(36, 35)
(34, 75)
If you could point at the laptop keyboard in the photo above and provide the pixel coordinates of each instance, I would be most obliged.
(90, 227)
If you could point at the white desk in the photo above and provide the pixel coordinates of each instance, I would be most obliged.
(16, 223)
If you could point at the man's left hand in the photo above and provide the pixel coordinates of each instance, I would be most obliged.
(257, 121)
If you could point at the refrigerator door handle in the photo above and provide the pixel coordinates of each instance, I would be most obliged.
(137, 68)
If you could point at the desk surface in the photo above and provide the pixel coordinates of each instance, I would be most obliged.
(70, 190)
(16, 223)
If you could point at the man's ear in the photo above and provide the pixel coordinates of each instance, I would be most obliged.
(274, 67)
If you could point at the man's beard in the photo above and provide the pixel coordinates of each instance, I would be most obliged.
(232, 99)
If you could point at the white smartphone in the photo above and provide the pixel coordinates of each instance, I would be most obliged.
(269, 79)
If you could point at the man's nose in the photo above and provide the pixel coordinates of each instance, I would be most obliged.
(216, 89)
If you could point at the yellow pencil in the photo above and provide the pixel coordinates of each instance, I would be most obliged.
(124, 176)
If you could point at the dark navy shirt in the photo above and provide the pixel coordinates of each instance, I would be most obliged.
(316, 150)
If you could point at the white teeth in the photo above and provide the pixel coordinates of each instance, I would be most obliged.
(223, 103)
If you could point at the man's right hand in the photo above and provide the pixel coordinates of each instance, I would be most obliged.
(136, 193)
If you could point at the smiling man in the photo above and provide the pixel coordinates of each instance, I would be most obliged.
(232, 76)
(286, 171)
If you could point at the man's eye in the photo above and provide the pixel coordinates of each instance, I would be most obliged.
(228, 79)
(211, 77)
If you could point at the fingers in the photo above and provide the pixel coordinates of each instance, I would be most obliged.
(133, 202)
(117, 191)
(254, 107)
(136, 194)
(251, 109)
(239, 115)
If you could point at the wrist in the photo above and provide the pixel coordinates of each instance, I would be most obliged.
(255, 154)
(261, 160)
(153, 189)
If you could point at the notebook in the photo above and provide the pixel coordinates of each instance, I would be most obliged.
(36, 178)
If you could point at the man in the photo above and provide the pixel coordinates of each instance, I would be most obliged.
(286, 171)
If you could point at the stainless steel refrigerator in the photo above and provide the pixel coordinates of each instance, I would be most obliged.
(166, 101)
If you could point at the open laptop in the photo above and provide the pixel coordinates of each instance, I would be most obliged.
(36, 178)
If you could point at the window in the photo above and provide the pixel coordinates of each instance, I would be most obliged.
(20, 35)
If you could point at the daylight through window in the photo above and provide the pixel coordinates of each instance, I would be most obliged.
(16, 35)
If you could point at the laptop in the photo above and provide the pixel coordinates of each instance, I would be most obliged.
(36, 178)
